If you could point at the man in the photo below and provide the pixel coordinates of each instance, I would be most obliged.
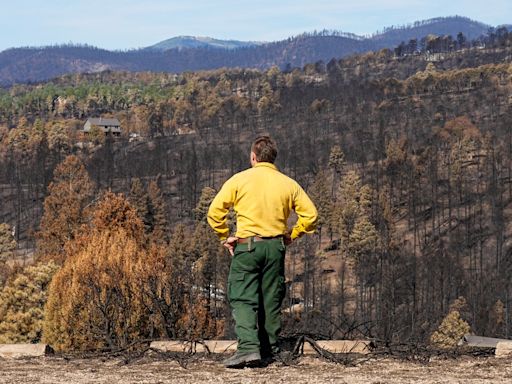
(262, 198)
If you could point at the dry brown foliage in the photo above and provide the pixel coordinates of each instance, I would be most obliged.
(96, 300)
(69, 194)
(116, 288)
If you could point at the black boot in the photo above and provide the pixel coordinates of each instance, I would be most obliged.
(242, 359)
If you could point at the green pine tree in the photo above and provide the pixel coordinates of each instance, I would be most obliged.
(206, 198)
(22, 302)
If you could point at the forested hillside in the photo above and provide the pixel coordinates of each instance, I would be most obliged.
(22, 65)
(407, 156)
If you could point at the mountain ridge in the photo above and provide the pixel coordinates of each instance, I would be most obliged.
(21, 65)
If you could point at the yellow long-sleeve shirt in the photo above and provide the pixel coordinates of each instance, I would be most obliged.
(262, 198)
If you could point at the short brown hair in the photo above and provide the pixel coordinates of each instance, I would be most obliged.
(265, 149)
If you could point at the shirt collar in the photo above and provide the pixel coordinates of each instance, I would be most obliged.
(265, 164)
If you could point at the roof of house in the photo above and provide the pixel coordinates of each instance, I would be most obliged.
(104, 122)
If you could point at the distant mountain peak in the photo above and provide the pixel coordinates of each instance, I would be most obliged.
(180, 42)
(449, 25)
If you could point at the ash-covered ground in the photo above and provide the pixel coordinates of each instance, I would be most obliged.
(154, 369)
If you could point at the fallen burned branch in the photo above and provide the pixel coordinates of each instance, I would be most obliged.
(194, 346)
(136, 348)
(223, 346)
(351, 354)
(347, 352)
(183, 359)
(344, 352)
(422, 353)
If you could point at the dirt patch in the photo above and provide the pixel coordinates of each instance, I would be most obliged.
(57, 370)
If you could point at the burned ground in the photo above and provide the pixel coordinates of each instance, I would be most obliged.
(153, 368)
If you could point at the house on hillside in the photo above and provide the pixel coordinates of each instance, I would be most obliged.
(108, 126)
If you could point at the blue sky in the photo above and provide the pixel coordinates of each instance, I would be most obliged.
(125, 24)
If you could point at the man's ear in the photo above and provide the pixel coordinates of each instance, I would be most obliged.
(253, 158)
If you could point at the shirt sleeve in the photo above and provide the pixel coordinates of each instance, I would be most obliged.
(219, 208)
(306, 212)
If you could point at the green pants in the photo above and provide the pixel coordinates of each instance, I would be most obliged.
(256, 288)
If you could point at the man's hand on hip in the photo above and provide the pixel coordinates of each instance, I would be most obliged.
(230, 244)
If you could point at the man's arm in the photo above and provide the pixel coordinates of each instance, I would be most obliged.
(219, 208)
(306, 212)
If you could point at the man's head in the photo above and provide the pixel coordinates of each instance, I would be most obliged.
(263, 149)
